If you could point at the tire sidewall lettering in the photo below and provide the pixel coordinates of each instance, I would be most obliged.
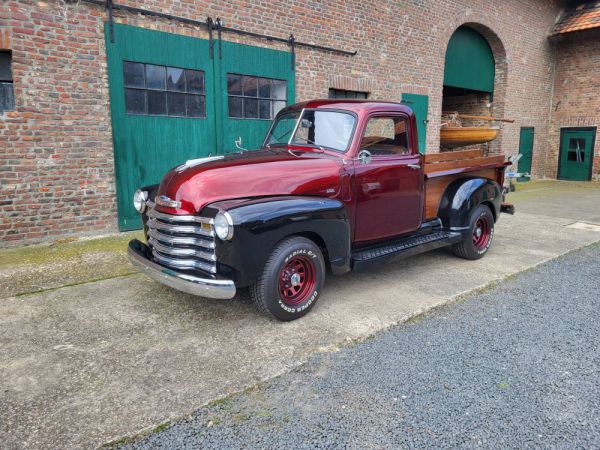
(302, 251)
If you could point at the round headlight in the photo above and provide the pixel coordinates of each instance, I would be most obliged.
(139, 200)
(223, 226)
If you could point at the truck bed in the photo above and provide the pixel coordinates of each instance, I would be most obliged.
(443, 168)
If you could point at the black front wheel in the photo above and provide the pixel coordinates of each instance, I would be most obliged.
(291, 280)
(478, 240)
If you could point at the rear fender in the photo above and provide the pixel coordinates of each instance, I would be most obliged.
(462, 196)
(259, 224)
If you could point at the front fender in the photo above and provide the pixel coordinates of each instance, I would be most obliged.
(462, 196)
(259, 224)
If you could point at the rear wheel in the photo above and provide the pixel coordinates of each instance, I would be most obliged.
(477, 242)
(291, 280)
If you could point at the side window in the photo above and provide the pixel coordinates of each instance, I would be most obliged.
(7, 95)
(386, 136)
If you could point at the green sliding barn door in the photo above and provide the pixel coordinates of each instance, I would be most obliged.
(576, 154)
(420, 105)
(526, 150)
(169, 103)
(256, 84)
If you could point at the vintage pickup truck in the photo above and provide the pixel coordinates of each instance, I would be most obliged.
(338, 185)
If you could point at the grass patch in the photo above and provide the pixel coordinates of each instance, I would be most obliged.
(66, 249)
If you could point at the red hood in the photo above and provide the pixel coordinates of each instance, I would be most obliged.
(253, 174)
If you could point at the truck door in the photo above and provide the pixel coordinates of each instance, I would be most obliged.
(388, 180)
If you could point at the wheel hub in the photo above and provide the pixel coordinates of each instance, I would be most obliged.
(295, 279)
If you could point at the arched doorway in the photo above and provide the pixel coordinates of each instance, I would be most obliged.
(474, 76)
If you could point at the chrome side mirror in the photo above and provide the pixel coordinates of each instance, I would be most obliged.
(364, 156)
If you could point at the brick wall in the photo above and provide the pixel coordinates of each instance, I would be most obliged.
(56, 164)
(576, 97)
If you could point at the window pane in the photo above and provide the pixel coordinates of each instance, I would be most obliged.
(135, 101)
(155, 76)
(195, 106)
(576, 143)
(264, 87)
(195, 81)
(133, 74)
(157, 103)
(235, 107)
(279, 90)
(175, 79)
(7, 97)
(176, 104)
(250, 108)
(277, 106)
(264, 107)
(386, 136)
(234, 84)
(250, 86)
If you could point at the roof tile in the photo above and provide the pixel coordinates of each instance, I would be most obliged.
(581, 17)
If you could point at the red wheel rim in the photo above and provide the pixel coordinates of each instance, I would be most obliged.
(481, 233)
(297, 279)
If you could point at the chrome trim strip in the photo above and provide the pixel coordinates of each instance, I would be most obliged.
(173, 218)
(204, 287)
(179, 240)
(178, 251)
(154, 223)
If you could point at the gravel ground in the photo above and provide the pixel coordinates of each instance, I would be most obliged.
(516, 366)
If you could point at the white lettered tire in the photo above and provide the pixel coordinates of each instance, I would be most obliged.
(291, 280)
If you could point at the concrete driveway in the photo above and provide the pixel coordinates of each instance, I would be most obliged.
(85, 364)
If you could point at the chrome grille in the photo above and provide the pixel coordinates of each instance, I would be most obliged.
(182, 242)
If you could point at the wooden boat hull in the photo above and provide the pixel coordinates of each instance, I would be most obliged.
(451, 137)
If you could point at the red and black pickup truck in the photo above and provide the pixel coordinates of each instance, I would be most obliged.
(337, 186)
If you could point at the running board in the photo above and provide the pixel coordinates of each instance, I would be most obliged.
(363, 259)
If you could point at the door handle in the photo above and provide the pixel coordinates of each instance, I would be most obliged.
(414, 166)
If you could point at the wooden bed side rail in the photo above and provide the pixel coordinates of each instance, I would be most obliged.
(452, 156)
(472, 164)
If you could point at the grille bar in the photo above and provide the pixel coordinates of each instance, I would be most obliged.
(192, 241)
(178, 263)
(172, 218)
(183, 229)
(179, 251)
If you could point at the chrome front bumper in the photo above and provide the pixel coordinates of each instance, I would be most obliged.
(204, 287)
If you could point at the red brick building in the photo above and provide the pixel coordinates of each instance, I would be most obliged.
(97, 100)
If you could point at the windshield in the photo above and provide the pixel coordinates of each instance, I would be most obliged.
(323, 129)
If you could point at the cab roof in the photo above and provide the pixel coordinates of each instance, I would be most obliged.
(357, 106)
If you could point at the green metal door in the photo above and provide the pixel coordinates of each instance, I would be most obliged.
(526, 150)
(169, 103)
(255, 83)
(420, 105)
(576, 153)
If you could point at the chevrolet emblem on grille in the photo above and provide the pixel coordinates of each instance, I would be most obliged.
(165, 201)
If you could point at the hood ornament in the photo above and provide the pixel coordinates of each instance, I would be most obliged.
(197, 162)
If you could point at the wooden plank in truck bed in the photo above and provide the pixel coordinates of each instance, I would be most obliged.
(442, 166)
(441, 169)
